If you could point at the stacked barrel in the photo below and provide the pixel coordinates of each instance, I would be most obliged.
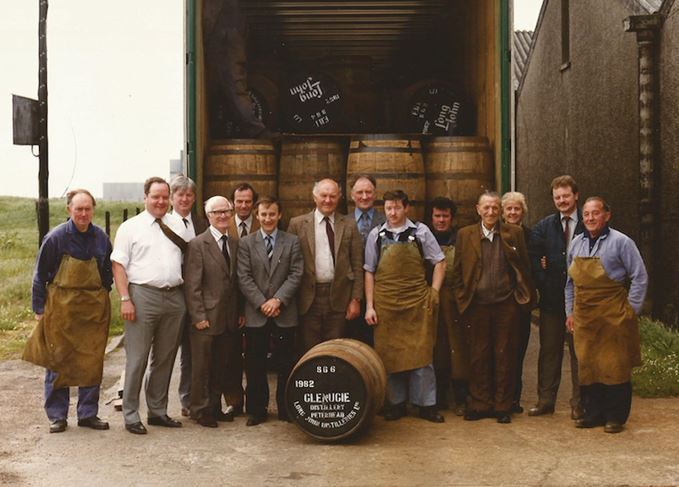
(460, 168)
(333, 112)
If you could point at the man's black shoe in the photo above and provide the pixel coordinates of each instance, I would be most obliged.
(58, 426)
(541, 410)
(503, 417)
(224, 417)
(395, 411)
(516, 408)
(473, 415)
(588, 423)
(136, 428)
(93, 422)
(207, 421)
(430, 413)
(577, 413)
(255, 420)
(165, 420)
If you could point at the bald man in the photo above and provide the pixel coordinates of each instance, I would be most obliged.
(332, 283)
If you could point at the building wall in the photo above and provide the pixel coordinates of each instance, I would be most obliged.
(582, 120)
(123, 191)
(668, 291)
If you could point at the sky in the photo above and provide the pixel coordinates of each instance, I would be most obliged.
(116, 89)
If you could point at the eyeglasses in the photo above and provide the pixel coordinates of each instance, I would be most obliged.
(221, 212)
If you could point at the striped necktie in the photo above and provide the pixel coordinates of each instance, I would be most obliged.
(269, 246)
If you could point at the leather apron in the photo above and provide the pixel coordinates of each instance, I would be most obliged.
(406, 307)
(606, 328)
(71, 336)
(449, 317)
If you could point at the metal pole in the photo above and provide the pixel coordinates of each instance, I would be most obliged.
(43, 175)
(646, 28)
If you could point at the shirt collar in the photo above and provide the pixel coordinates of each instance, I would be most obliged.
(606, 230)
(487, 233)
(408, 224)
(573, 216)
(318, 217)
(264, 234)
(358, 212)
(216, 233)
(73, 229)
(149, 219)
(248, 221)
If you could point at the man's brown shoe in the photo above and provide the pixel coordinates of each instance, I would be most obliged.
(613, 427)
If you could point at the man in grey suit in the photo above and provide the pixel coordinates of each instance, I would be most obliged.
(270, 266)
(183, 196)
(363, 192)
(332, 283)
(211, 291)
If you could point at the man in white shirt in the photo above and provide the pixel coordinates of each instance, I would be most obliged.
(332, 283)
(147, 268)
(183, 196)
(547, 246)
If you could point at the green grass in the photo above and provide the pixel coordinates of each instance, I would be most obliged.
(18, 248)
(658, 376)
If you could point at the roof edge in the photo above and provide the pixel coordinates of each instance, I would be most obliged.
(536, 33)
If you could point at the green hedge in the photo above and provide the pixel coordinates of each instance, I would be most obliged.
(658, 376)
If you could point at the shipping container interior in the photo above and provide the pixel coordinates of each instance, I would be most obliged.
(342, 70)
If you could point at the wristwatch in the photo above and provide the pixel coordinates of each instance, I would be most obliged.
(124, 298)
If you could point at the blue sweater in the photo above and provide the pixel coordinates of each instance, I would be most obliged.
(66, 239)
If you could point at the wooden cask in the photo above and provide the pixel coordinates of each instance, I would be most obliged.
(336, 389)
(460, 168)
(396, 162)
(303, 161)
(234, 161)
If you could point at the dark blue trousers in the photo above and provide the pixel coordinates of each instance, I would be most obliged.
(56, 400)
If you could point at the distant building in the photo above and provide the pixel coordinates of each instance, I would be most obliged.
(123, 191)
(597, 100)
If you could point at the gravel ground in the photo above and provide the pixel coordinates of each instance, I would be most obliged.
(530, 451)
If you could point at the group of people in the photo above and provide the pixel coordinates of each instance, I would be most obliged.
(448, 311)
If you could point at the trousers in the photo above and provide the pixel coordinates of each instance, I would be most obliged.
(57, 400)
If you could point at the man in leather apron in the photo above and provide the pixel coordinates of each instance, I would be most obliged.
(403, 308)
(71, 283)
(602, 315)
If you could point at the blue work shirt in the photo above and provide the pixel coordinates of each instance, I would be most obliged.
(66, 239)
(430, 248)
(620, 259)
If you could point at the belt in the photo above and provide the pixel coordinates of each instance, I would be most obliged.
(156, 288)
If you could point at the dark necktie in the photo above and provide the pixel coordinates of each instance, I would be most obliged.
(269, 246)
(186, 222)
(176, 239)
(331, 237)
(225, 251)
(566, 230)
(364, 225)
(243, 230)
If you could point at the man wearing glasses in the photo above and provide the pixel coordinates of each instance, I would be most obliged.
(212, 300)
